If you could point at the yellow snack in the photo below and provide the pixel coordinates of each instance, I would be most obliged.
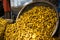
(3, 24)
(35, 24)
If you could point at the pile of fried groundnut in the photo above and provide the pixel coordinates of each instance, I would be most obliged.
(3, 24)
(37, 23)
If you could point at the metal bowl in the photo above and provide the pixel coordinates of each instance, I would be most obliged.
(28, 6)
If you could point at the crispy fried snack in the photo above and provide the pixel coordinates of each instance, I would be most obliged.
(35, 24)
(3, 24)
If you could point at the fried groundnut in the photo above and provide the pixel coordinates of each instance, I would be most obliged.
(35, 24)
(3, 24)
(40, 17)
(13, 32)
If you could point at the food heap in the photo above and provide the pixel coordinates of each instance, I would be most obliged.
(37, 23)
(3, 24)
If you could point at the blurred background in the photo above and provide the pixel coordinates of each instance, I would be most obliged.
(16, 5)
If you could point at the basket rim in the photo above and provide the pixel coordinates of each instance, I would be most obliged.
(49, 4)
